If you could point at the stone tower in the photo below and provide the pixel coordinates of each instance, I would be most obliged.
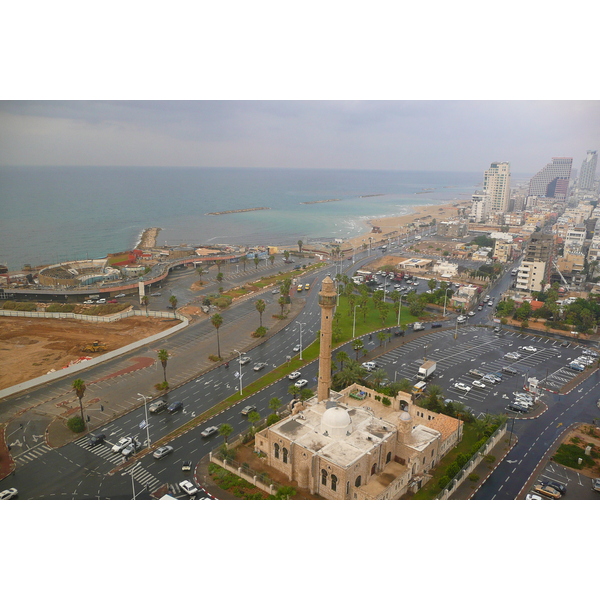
(327, 302)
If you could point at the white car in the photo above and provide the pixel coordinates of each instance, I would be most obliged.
(471, 313)
(529, 348)
(459, 385)
(294, 375)
(296, 348)
(301, 383)
(209, 431)
(478, 383)
(514, 355)
(533, 497)
(461, 318)
(188, 487)
(9, 494)
(259, 366)
(369, 366)
(88, 302)
(120, 296)
(121, 444)
(244, 360)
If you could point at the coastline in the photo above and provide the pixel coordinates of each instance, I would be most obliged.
(148, 238)
(398, 223)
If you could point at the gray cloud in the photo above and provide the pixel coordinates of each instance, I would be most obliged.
(426, 135)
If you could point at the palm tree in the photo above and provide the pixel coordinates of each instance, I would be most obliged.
(342, 357)
(357, 346)
(260, 307)
(225, 429)
(244, 260)
(286, 255)
(378, 376)
(274, 404)
(144, 300)
(254, 417)
(284, 287)
(404, 385)
(256, 260)
(353, 372)
(163, 356)
(272, 258)
(173, 301)
(217, 321)
(300, 244)
(200, 270)
(282, 302)
(79, 386)
(293, 390)
(219, 277)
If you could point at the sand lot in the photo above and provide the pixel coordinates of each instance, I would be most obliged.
(33, 347)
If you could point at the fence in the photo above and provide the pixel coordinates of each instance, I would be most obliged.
(471, 464)
(93, 318)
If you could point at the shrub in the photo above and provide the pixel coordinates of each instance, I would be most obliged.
(222, 301)
(260, 332)
(576, 440)
(271, 419)
(386, 402)
(60, 308)
(76, 424)
(214, 358)
(473, 477)
(162, 386)
(28, 306)
(452, 470)
(443, 482)
(568, 455)
(462, 460)
(489, 458)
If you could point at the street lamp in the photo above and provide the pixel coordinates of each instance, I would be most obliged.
(354, 321)
(400, 307)
(147, 422)
(301, 338)
(240, 371)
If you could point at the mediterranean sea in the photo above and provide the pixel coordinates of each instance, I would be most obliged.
(54, 214)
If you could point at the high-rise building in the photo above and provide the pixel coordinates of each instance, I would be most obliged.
(588, 171)
(553, 180)
(480, 207)
(534, 271)
(496, 184)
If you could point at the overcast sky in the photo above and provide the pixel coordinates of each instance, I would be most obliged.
(404, 135)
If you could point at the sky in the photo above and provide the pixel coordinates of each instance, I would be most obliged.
(431, 135)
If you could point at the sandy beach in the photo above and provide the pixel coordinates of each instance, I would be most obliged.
(398, 224)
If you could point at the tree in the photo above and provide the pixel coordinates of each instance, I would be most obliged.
(300, 244)
(260, 307)
(286, 255)
(173, 302)
(353, 372)
(220, 277)
(225, 430)
(163, 356)
(282, 302)
(357, 346)
(144, 300)
(285, 492)
(431, 284)
(254, 417)
(271, 258)
(201, 271)
(378, 376)
(256, 260)
(342, 357)
(293, 390)
(217, 321)
(274, 404)
(79, 386)
(244, 260)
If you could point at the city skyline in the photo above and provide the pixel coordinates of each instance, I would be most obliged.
(430, 135)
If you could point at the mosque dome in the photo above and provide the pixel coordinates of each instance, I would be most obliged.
(336, 422)
(405, 416)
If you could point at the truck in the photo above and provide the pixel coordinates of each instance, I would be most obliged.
(419, 388)
(418, 326)
(426, 370)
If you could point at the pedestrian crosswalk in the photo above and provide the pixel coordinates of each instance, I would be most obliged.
(103, 450)
(31, 454)
(143, 477)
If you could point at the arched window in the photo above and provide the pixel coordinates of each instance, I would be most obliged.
(334, 483)
(388, 457)
(357, 482)
(347, 487)
(276, 450)
(285, 455)
(373, 468)
(323, 476)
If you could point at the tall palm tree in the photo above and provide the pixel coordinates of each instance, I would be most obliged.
(272, 258)
(173, 301)
(286, 255)
(254, 417)
(282, 302)
(342, 357)
(225, 429)
(274, 404)
(244, 260)
(144, 300)
(200, 270)
(256, 260)
(260, 307)
(217, 321)
(79, 386)
(357, 346)
(377, 376)
(163, 356)
(300, 244)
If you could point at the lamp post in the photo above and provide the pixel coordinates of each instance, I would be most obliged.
(240, 364)
(400, 307)
(301, 338)
(147, 422)
(354, 321)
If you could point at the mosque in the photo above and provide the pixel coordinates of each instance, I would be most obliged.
(355, 444)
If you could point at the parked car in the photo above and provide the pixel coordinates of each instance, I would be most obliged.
(209, 431)
(112, 301)
(546, 490)
(259, 366)
(369, 366)
(596, 485)
(496, 329)
(513, 355)
(244, 360)
(294, 375)
(96, 439)
(9, 494)
(559, 487)
(175, 406)
(124, 441)
(528, 348)
(459, 385)
(471, 313)
(156, 294)
(533, 497)
(88, 302)
(478, 383)
(476, 373)
(162, 452)
(275, 291)
(461, 318)
(509, 370)
(301, 383)
(489, 379)
(576, 366)
(188, 487)
(120, 296)
(248, 409)
(480, 307)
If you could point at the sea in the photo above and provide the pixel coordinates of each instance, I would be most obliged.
(56, 214)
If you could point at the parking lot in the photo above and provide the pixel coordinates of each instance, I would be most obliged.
(575, 485)
(480, 349)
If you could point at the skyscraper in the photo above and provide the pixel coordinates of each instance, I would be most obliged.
(496, 184)
(588, 171)
(553, 180)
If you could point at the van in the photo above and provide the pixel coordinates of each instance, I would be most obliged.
(101, 301)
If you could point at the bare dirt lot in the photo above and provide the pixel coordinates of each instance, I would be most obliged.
(33, 347)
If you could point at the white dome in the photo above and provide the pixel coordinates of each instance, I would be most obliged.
(405, 416)
(336, 422)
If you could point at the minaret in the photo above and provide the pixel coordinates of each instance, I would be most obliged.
(327, 302)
